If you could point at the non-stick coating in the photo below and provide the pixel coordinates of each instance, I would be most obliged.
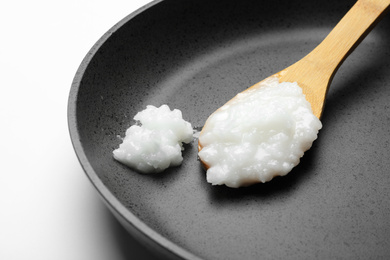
(194, 55)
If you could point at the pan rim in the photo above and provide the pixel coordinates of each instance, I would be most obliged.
(140, 231)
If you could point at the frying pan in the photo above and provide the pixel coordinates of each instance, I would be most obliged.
(194, 55)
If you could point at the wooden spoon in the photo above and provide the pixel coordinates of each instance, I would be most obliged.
(315, 71)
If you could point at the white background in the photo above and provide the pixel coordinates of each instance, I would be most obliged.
(49, 209)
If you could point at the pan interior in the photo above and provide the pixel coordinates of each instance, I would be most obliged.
(196, 55)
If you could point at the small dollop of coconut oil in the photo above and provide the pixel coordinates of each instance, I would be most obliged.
(261, 133)
(156, 141)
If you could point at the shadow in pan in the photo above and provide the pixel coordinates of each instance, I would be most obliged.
(355, 86)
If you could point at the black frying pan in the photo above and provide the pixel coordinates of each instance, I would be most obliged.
(195, 55)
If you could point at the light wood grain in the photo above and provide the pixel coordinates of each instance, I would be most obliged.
(315, 71)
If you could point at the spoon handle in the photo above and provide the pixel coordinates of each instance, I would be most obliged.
(349, 32)
(315, 71)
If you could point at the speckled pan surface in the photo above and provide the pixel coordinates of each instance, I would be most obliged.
(194, 55)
